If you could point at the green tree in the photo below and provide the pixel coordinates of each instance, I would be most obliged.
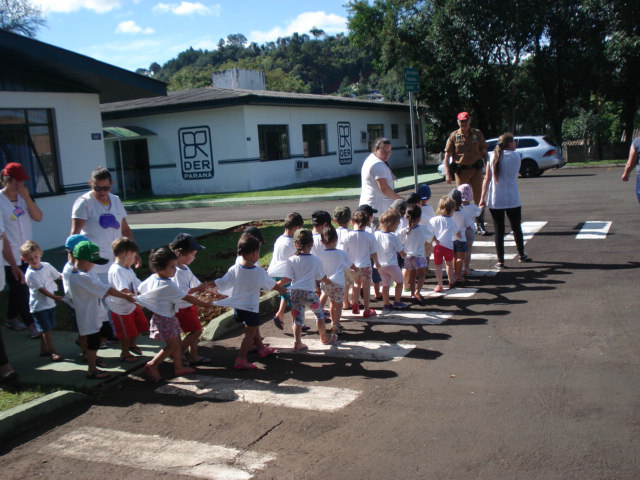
(21, 16)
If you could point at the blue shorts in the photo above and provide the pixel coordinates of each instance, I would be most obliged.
(250, 319)
(375, 275)
(45, 319)
(285, 296)
(460, 247)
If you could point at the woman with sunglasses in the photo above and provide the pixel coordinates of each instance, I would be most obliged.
(100, 216)
(18, 210)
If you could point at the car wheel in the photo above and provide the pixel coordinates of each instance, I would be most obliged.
(529, 168)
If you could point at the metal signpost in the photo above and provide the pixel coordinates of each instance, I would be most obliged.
(411, 85)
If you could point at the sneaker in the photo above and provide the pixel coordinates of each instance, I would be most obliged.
(34, 331)
(15, 324)
(370, 312)
(387, 308)
(244, 364)
(355, 309)
(524, 258)
(437, 289)
(306, 328)
(400, 306)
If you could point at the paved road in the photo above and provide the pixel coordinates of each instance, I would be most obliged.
(531, 373)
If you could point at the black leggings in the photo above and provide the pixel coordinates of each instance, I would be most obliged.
(515, 217)
(18, 298)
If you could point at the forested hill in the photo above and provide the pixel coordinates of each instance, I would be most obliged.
(300, 63)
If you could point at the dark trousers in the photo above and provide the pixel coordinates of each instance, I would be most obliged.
(515, 217)
(18, 297)
(3, 354)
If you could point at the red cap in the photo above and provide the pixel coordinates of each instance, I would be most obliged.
(464, 116)
(15, 170)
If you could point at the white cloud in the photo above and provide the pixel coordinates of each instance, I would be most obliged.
(67, 6)
(330, 23)
(187, 8)
(132, 27)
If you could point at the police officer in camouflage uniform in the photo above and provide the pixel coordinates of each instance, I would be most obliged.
(465, 157)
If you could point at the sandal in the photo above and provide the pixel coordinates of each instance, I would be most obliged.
(128, 359)
(278, 323)
(151, 374)
(266, 351)
(298, 348)
(337, 329)
(184, 371)
(137, 350)
(333, 338)
(306, 328)
(244, 364)
(98, 375)
(201, 360)
(56, 357)
(437, 289)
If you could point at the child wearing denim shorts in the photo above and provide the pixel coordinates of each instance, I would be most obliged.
(41, 279)
(417, 240)
(304, 270)
(460, 247)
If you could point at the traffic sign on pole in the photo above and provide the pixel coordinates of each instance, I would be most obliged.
(411, 80)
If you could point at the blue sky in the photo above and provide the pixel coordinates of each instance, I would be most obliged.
(135, 33)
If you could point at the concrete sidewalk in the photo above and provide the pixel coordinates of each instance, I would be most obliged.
(401, 185)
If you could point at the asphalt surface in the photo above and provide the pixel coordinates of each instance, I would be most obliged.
(533, 377)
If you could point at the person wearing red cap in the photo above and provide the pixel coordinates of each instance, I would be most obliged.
(18, 210)
(465, 157)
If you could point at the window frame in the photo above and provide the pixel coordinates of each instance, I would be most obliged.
(322, 146)
(263, 131)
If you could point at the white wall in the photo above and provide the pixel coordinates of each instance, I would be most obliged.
(76, 117)
(234, 134)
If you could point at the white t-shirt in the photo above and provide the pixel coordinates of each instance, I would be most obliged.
(17, 224)
(445, 230)
(360, 246)
(88, 208)
(304, 270)
(404, 224)
(243, 284)
(67, 270)
(44, 277)
(374, 169)
(427, 214)
(185, 280)
(388, 248)
(343, 235)
(2, 279)
(414, 239)
(458, 217)
(283, 248)
(318, 246)
(119, 278)
(504, 193)
(87, 291)
(470, 212)
(334, 261)
(160, 295)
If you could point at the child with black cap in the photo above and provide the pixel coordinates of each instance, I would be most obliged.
(320, 219)
(185, 247)
(424, 192)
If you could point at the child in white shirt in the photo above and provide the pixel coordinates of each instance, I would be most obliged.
(129, 320)
(460, 247)
(445, 231)
(417, 240)
(283, 248)
(161, 295)
(362, 248)
(41, 279)
(242, 283)
(424, 191)
(389, 248)
(334, 263)
(470, 211)
(342, 217)
(304, 270)
(185, 247)
(320, 219)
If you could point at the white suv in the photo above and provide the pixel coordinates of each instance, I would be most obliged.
(539, 153)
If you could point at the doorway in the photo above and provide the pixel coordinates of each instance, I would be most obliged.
(135, 162)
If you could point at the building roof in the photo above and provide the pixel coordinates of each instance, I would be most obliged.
(31, 64)
(212, 97)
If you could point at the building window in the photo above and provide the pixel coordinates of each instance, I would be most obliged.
(27, 137)
(374, 130)
(394, 131)
(314, 140)
(274, 142)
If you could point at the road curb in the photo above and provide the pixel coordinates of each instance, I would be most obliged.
(18, 419)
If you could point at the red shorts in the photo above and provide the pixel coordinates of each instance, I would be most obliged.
(440, 253)
(131, 325)
(189, 320)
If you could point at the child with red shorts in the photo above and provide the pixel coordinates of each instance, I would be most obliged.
(128, 319)
(185, 247)
(445, 231)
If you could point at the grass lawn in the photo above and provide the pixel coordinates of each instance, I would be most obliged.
(14, 395)
(314, 188)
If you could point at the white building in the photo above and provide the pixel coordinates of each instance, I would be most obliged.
(50, 122)
(212, 139)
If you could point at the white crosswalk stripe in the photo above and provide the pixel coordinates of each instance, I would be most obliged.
(403, 318)
(375, 351)
(300, 396)
(160, 454)
(593, 230)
